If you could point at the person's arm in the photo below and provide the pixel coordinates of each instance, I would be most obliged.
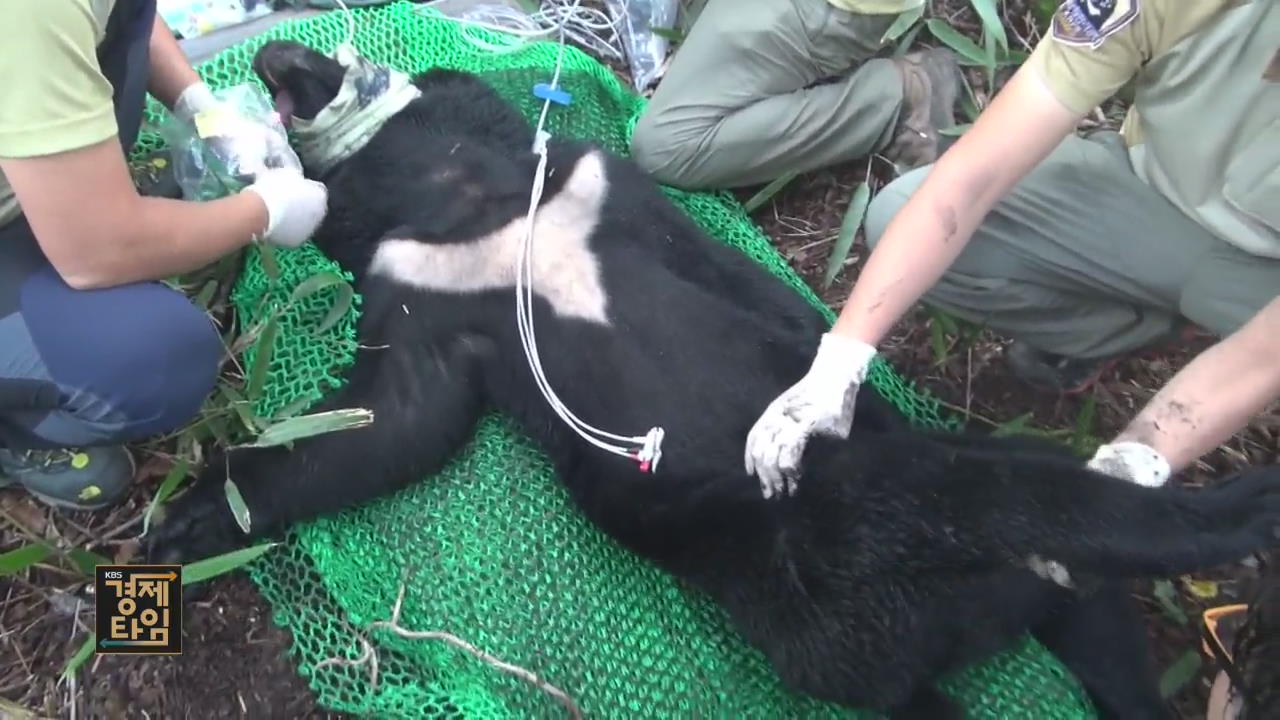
(1211, 398)
(1070, 72)
(1020, 127)
(97, 231)
(1023, 124)
(171, 71)
(60, 155)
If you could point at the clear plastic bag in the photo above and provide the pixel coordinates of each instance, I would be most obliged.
(205, 165)
(646, 50)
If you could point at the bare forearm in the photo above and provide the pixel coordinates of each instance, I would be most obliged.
(919, 244)
(930, 231)
(171, 237)
(171, 71)
(1215, 395)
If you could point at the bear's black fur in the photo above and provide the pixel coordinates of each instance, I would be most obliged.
(901, 557)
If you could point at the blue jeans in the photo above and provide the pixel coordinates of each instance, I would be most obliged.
(99, 367)
(94, 367)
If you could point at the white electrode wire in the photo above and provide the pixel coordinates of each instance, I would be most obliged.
(591, 27)
(351, 24)
(650, 445)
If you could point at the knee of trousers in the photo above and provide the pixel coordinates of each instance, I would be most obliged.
(666, 152)
(128, 362)
(888, 202)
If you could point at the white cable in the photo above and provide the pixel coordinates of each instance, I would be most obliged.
(646, 449)
(585, 25)
(351, 24)
(649, 450)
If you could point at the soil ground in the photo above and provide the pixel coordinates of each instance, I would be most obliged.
(235, 662)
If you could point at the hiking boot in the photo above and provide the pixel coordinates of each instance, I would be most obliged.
(931, 83)
(1068, 376)
(1055, 373)
(76, 479)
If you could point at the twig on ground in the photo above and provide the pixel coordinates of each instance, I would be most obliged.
(370, 655)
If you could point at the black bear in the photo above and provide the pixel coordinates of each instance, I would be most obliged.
(903, 555)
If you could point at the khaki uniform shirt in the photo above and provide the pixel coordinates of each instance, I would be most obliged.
(52, 96)
(1204, 128)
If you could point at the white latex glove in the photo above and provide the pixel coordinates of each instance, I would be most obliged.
(249, 147)
(821, 402)
(295, 205)
(1131, 461)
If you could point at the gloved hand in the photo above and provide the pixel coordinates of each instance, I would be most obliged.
(249, 147)
(1132, 461)
(295, 205)
(821, 402)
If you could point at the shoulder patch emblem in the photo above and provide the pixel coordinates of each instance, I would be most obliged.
(1087, 23)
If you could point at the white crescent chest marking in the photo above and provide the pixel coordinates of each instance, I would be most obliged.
(566, 273)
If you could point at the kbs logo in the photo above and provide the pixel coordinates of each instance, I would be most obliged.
(139, 609)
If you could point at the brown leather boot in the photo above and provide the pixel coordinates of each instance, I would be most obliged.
(931, 87)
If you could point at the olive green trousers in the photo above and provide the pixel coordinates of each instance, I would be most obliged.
(1084, 259)
(760, 88)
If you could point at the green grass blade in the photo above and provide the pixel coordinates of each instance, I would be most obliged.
(220, 564)
(853, 217)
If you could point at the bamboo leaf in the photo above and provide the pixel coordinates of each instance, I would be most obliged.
(323, 281)
(992, 25)
(1084, 423)
(767, 192)
(853, 217)
(170, 483)
(672, 35)
(242, 408)
(87, 562)
(939, 341)
(266, 347)
(1181, 672)
(903, 23)
(1013, 427)
(346, 294)
(80, 657)
(1166, 595)
(952, 38)
(302, 426)
(907, 40)
(206, 294)
(220, 564)
(239, 509)
(15, 561)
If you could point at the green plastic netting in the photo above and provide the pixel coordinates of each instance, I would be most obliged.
(500, 557)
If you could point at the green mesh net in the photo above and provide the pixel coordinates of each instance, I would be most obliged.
(499, 557)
